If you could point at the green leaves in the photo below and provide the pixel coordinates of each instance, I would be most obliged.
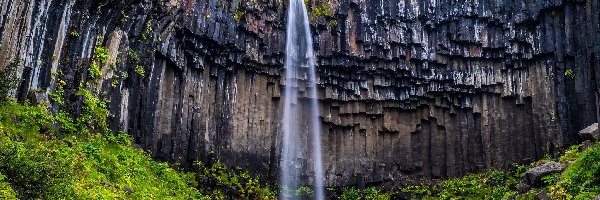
(6, 191)
(569, 73)
(370, 193)
(37, 164)
(582, 177)
(492, 184)
(220, 183)
(94, 113)
(99, 58)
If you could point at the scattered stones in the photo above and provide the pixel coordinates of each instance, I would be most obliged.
(586, 144)
(534, 175)
(523, 187)
(590, 133)
(127, 190)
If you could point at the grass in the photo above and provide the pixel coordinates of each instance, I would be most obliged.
(492, 184)
(59, 156)
(218, 182)
(6, 192)
(580, 180)
(38, 162)
(46, 156)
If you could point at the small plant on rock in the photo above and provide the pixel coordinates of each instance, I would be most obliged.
(569, 73)
(140, 70)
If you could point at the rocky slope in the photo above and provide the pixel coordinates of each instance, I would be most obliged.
(407, 88)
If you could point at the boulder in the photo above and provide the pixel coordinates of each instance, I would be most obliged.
(590, 133)
(542, 196)
(586, 144)
(37, 97)
(523, 187)
(534, 175)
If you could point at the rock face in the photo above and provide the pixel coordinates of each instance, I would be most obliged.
(429, 89)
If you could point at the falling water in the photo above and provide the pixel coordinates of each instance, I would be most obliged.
(299, 58)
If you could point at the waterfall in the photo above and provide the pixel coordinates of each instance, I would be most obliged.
(299, 59)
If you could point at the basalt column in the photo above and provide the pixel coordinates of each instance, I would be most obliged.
(416, 88)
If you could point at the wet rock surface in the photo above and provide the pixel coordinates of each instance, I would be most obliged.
(428, 89)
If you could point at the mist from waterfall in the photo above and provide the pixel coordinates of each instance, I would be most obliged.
(300, 59)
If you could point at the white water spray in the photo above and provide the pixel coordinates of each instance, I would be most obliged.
(299, 56)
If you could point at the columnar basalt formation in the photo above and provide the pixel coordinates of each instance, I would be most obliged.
(428, 89)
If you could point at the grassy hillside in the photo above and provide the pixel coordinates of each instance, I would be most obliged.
(58, 155)
(580, 180)
(38, 160)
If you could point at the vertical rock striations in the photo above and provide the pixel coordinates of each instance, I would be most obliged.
(407, 88)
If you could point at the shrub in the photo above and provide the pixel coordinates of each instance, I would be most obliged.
(569, 73)
(220, 183)
(6, 192)
(94, 113)
(304, 191)
(39, 165)
(372, 193)
(99, 58)
(350, 194)
(140, 71)
(492, 184)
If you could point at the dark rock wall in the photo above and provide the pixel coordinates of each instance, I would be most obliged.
(430, 89)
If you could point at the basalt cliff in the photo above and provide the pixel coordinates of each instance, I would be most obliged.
(407, 88)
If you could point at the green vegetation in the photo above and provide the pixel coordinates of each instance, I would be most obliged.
(239, 12)
(74, 33)
(370, 193)
(149, 28)
(134, 59)
(133, 56)
(8, 79)
(238, 15)
(64, 156)
(304, 191)
(99, 58)
(220, 183)
(40, 161)
(321, 8)
(94, 113)
(580, 180)
(140, 70)
(333, 22)
(58, 94)
(351, 193)
(6, 192)
(489, 185)
(569, 73)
